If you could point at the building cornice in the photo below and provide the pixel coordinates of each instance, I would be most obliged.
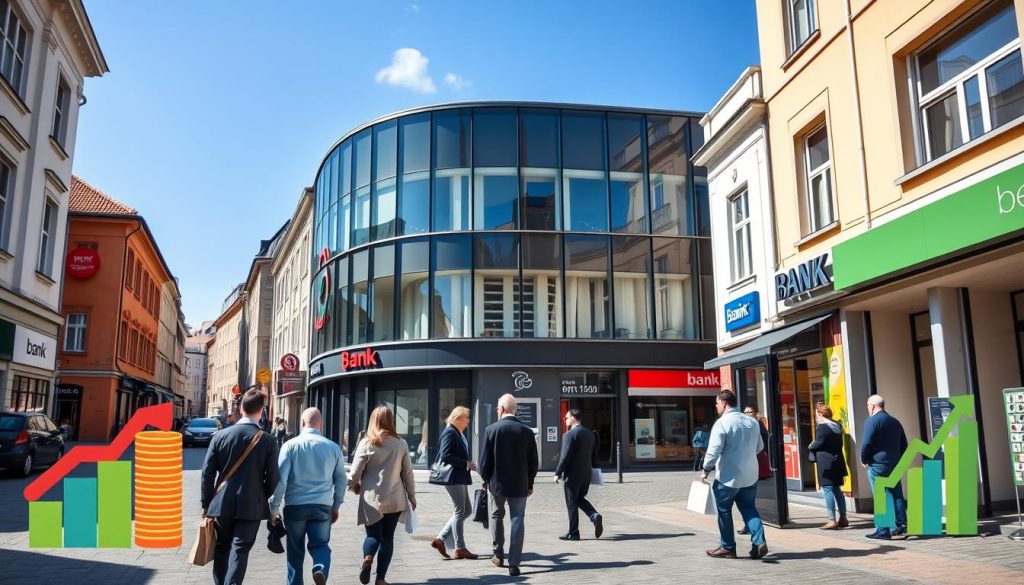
(753, 112)
(84, 38)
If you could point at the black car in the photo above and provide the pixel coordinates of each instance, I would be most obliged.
(199, 431)
(28, 440)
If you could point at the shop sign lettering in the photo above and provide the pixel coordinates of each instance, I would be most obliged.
(360, 360)
(808, 276)
(743, 312)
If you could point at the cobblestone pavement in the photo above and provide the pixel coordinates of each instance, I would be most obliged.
(649, 538)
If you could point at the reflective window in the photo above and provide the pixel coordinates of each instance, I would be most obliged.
(383, 314)
(667, 161)
(538, 138)
(540, 199)
(345, 169)
(586, 286)
(345, 222)
(707, 291)
(541, 293)
(583, 140)
(331, 225)
(494, 137)
(384, 209)
(625, 143)
(415, 132)
(451, 139)
(332, 179)
(414, 215)
(338, 309)
(361, 225)
(360, 297)
(496, 260)
(675, 289)
(626, 162)
(361, 154)
(414, 311)
(700, 195)
(967, 45)
(452, 295)
(585, 204)
(385, 139)
(631, 259)
(451, 200)
(496, 198)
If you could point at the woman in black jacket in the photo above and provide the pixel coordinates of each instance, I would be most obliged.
(827, 449)
(454, 451)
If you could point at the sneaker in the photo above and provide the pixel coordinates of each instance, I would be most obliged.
(843, 522)
(879, 535)
(899, 534)
(318, 575)
(759, 551)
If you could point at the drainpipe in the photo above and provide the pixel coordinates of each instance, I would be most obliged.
(857, 116)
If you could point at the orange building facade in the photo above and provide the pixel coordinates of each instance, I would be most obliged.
(111, 306)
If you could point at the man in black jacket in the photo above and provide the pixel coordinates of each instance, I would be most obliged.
(239, 505)
(508, 466)
(575, 465)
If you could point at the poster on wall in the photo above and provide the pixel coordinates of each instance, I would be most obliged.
(790, 446)
(835, 397)
(1013, 401)
(645, 438)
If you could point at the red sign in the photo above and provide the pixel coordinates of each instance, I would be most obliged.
(360, 360)
(290, 362)
(236, 390)
(323, 291)
(83, 262)
(675, 379)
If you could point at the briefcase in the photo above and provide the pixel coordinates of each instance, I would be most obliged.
(702, 499)
(480, 507)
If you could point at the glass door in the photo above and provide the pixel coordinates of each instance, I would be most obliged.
(752, 389)
(410, 408)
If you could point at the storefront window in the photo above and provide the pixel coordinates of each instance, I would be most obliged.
(631, 258)
(661, 428)
(497, 285)
(29, 395)
(586, 286)
(410, 408)
(448, 399)
(541, 294)
(383, 293)
(452, 295)
(415, 289)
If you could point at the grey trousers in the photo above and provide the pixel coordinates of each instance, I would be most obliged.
(517, 510)
(452, 533)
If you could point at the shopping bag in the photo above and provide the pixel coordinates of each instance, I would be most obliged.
(480, 507)
(702, 499)
(596, 476)
(412, 521)
(202, 549)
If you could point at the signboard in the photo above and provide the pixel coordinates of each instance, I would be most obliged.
(367, 359)
(526, 412)
(835, 397)
(803, 278)
(83, 262)
(263, 376)
(743, 311)
(645, 438)
(577, 384)
(521, 380)
(290, 362)
(674, 382)
(290, 384)
(1013, 402)
(33, 348)
(236, 389)
(938, 411)
(323, 291)
(68, 391)
(552, 434)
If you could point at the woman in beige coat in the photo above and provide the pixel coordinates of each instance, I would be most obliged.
(382, 476)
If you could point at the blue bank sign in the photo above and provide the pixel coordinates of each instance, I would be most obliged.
(743, 312)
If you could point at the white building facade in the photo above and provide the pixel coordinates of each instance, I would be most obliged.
(195, 377)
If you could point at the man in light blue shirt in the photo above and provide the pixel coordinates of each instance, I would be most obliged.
(733, 448)
(312, 487)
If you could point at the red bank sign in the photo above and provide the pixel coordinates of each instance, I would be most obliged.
(682, 382)
(360, 360)
(83, 262)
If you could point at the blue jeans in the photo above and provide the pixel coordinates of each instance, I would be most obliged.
(380, 542)
(899, 504)
(744, 499)
(517, 510)
(834, 499)
(310, 520)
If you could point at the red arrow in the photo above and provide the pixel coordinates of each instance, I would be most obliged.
(160, 416)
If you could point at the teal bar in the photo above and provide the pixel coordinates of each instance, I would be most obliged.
(44, 530)
(80, 512)
(114, 499)
(885, 515)
(932, 497)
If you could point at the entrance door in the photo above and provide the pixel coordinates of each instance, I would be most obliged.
(752, 389)
(69, 406)
(598, 416)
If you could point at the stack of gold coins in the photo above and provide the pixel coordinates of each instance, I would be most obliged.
(158, 489)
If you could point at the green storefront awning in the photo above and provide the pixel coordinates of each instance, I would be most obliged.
(763, 345)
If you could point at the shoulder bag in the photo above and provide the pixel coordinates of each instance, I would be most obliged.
(440, 472)
(202, 549)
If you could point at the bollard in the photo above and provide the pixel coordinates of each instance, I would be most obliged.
(618, 459)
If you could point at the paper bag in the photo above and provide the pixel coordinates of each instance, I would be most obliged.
(702, 499)
(596, 476)
(202, 549)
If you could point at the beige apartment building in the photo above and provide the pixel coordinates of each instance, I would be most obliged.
(223, 355)
(897, 186)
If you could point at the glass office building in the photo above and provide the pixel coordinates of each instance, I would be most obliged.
(468, 250)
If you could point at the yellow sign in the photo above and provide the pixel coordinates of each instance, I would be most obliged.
(263, 376)
(835, 396)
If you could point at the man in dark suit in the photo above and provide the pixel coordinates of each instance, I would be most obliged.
(578, 458)
(238, 506)
(508, 466)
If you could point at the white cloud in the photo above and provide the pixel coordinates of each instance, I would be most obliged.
(408, 69)
(414, 8)
(457, 81)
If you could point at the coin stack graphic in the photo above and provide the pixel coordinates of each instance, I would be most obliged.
(158, 489)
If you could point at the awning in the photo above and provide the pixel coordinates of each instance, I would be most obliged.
(763, 345)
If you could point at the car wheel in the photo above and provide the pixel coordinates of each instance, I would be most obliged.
(60, 453)
(26, 469)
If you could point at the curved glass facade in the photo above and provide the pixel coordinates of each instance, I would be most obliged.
(513, 221)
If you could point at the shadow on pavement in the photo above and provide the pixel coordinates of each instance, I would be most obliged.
(621, 537)
(559, 563)
(829, 553)
(15, 569)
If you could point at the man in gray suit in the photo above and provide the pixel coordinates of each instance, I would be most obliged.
(575, 465)
(239, 504)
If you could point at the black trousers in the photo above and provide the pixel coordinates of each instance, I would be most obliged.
(231, 554)
(576, 500)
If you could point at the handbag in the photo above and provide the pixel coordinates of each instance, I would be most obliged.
(202, 549)
(701, 499)
(764, 468)
(441, 473)
(480, 507)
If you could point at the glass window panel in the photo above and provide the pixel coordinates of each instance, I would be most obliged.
(629, 212)
(494, 137)
(361, 228)
(675, 289)
(497, 198)
(332, 229)
(700, 193)
(625, 143)
(800, 22)
(415, 289)
(452, 295)
(538, 138)
(817, 148)
(414, 215)
(631, 259)
(360, 298)
(361, 153)
(385, 139)
(586, 286)
(821, 201)
(415, 132)
(496, 262)
(975, 118)
(669, 213)
(665, 139)
(943, 122)
(383, 293)
(541, 293)
(585, 201)
(967, 45)
(333, 177)
(384, 261)
(448, 399)
(345, 168)
(345, 222)
(453, 252)
(451, 200)
(340, 310)
(583, 140)
(384, 209)
(451, 139)
(709, 314)
(1005, 81)
(540, 199)
(668, 164)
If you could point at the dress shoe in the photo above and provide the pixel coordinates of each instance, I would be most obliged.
(461, 553)
(830, 525)
(743, 530)
(380, 582)
(880, 535)
(497, 561)
(318, 575)
(899, 534)
(598, 526)
(569, 537)
(364, 571)
(722, 553)
(758, 551)
(438, 545)
(513, 571)
(843, 522)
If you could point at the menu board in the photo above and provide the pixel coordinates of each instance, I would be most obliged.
(1013, 402)
(526, 412)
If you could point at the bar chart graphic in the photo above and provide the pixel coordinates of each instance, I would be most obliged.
(958, 438)
(96, 512)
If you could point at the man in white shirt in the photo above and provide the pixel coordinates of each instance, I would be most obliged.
(733, 448)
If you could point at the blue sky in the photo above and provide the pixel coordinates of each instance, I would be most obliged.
(215, 115)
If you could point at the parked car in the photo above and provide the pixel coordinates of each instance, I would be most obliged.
(199, 431)
(28, 440)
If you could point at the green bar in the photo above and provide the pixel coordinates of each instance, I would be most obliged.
(115, 504)
(962, 480)
(932, 497)
(915, 500)
(44, 524)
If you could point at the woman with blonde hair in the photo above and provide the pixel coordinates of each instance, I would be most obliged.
(827, 453)
(382, 476)
(454, 452)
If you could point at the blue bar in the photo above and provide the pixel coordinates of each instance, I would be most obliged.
(80, 512)
(932, 497)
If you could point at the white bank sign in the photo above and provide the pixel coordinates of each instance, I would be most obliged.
(34, 349)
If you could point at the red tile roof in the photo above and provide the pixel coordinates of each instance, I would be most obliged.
(87, 199)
